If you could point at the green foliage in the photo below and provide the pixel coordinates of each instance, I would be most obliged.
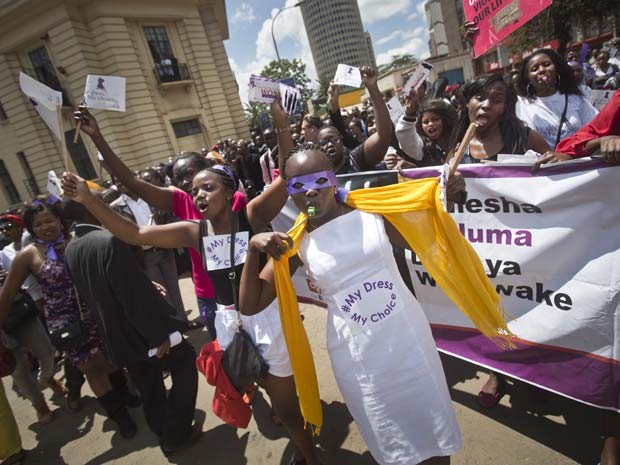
(323, 82)
(555, 23)
(398, 61)
(252, 111)
(290, 68)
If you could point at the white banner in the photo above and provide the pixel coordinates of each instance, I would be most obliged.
(105, 92)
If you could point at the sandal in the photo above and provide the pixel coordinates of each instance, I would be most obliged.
(490, 400)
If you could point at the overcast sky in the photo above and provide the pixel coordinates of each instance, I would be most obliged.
(396, 27)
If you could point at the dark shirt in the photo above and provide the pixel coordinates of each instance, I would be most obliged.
(132, 315)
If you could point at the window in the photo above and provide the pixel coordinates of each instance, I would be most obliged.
(44, 71)
(79, 156)
(10, 191)
(159, 44)
(186, 128)
(3, 116)
(30, 181)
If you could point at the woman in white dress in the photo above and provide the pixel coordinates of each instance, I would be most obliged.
(378, 338)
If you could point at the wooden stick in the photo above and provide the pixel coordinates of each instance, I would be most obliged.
(458, 156)
(77, 129)
(63, 140)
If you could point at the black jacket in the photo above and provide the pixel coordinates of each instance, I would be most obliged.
(132, 315)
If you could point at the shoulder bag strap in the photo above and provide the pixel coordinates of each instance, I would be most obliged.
(204, 232)
(562, 119)
(232, 274)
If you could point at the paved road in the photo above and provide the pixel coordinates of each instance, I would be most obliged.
(526, 428)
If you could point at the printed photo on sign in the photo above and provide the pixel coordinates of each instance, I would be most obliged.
(347, 75)
(369, 303)
(217, 250)
(416, 79)
(105, 92)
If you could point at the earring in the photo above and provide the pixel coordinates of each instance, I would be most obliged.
(530, 91)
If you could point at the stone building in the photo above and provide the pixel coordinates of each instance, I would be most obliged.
(181, 92)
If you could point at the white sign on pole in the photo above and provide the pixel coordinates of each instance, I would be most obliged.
(348, 76)
(105, 92)
(50, 98)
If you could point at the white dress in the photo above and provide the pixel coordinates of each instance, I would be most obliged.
(380, 343)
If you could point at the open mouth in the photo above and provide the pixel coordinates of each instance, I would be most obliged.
(432, 132)
(202, 206)
(482, 120)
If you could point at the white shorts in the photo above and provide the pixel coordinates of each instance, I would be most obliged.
(265, 330)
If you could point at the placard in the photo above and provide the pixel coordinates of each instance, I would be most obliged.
(347, 75)
(105, 92)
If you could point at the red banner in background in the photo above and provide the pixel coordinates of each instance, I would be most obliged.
(497, 19)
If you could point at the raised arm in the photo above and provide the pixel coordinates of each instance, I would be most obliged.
(263, 208)
(376, 145)
(406, 133)
(20, 269)
(158, 197)
(168, 236)
(337, 121)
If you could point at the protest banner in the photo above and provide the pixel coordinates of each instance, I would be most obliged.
(549, 243)
(105, 92)
(265, 90)
(348, 76)
(497, 19)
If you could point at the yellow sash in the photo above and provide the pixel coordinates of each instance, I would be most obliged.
(415, 210)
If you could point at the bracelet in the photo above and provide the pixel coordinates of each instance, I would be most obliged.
(281, 130)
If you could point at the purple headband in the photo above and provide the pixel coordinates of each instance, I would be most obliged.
(302, 184)
(226, 170)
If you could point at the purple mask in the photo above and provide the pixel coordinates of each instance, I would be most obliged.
(316, 181)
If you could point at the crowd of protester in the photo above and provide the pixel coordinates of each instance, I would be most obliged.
(104, 266)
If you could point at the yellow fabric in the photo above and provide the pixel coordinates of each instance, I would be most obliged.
(415, 209)
(10, 440)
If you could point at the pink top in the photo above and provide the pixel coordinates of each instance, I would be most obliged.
(184, 209)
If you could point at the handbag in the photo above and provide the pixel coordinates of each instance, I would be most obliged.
(23, 310)
(7, 361)
(71, 335)
(241, 361)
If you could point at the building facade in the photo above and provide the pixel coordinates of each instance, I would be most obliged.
(449, 52)
(181, 94)
(336, 35)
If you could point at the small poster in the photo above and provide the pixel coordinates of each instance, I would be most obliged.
(395, 108)
(217, 250)
(105, 92)
(53, 185)
(262, 89)
(40, 93)
(347, 75)
(599, 98)
(419, 75)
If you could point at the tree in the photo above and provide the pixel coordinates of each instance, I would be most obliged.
(556, 22)
(323, 81)
(398, 61)
(252, 112)
(287, 68)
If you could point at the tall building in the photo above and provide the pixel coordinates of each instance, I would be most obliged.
(181, 93)
(336, 35)
(449, 52)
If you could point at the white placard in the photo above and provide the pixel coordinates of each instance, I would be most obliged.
(262, 89)
(395, 108)
(105, 92)
(347, 75)
(40, 93)
(53, 185)
(600, 98)
(217, 250)
(289, 97)
(175, 340)
(418, 76)
(49, 117)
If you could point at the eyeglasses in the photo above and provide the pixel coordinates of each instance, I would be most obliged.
(333, 139)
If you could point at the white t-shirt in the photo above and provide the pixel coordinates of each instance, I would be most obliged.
(543, 115)
(7, 255)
